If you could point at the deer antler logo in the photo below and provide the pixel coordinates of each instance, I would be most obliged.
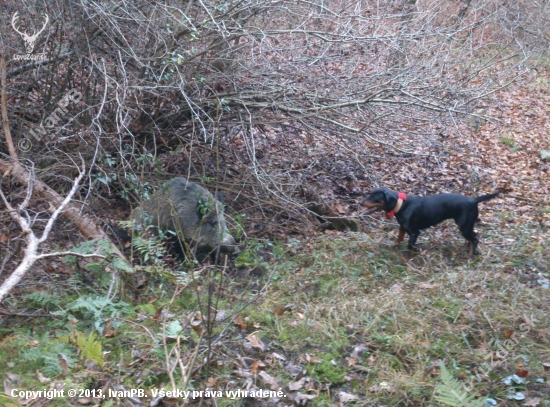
(28, 39)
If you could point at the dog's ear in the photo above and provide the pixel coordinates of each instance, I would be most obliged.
(390, 199)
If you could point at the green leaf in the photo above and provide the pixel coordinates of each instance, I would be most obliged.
(544, 154)
(120, 264)
(173, 329)
(69, 260)
(85, 247)
(94, 267)
(106, 246)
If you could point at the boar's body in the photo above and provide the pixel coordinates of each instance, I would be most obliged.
(191, 211)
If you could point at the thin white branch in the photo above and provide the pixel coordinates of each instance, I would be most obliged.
(63, 205)
(69, 253)
(30, 254)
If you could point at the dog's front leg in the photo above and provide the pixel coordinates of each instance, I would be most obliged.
(400, 236)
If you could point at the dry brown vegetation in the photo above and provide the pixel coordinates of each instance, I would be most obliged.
(293, 110)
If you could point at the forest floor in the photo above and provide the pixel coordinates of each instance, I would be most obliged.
(331, 318)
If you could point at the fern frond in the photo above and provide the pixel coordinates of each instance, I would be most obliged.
(88, 346)
(96, 308)
(46, 355)
(7, 401)
(41, 298)
(451, 392)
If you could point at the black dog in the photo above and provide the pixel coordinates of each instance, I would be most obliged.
(415, 213)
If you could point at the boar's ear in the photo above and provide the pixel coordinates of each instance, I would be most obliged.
(120, 233)
(390, 199)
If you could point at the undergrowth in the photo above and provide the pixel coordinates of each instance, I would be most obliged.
(344, 312)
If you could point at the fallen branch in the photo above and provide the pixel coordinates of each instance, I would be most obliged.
(31, 255)
(87, 227)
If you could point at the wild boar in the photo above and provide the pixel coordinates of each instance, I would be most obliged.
(193, 213)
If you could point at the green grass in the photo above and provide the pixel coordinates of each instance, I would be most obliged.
(409, 311)
(349, 311)
(327, 369)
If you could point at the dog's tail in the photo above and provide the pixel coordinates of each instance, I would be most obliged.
(486, 197)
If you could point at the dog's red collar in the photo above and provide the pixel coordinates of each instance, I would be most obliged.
(401, 196)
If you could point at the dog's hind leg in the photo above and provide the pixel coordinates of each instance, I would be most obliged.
(467, 230)
(412, 239)
(472, 239)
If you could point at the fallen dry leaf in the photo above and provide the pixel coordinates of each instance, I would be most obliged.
(382, 387)
(243, 373)
(278, 311)
(270, 381)
(221, 315)
(41, 378)
(483, 348)
(256, 366)
(212, 382)
(508, 333)
(434, 371)
(522, 373)
(371, 360)
(13, 377)
(301, 399)
(346, 397)
(8, 386)
(255, 341)
(195, 319)
(63, 362)
(239, 322)
(396, 289)
(297, 385)
(535, 401)
(356, 350)
(109, 332)
(278, 356)
(428, 285)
